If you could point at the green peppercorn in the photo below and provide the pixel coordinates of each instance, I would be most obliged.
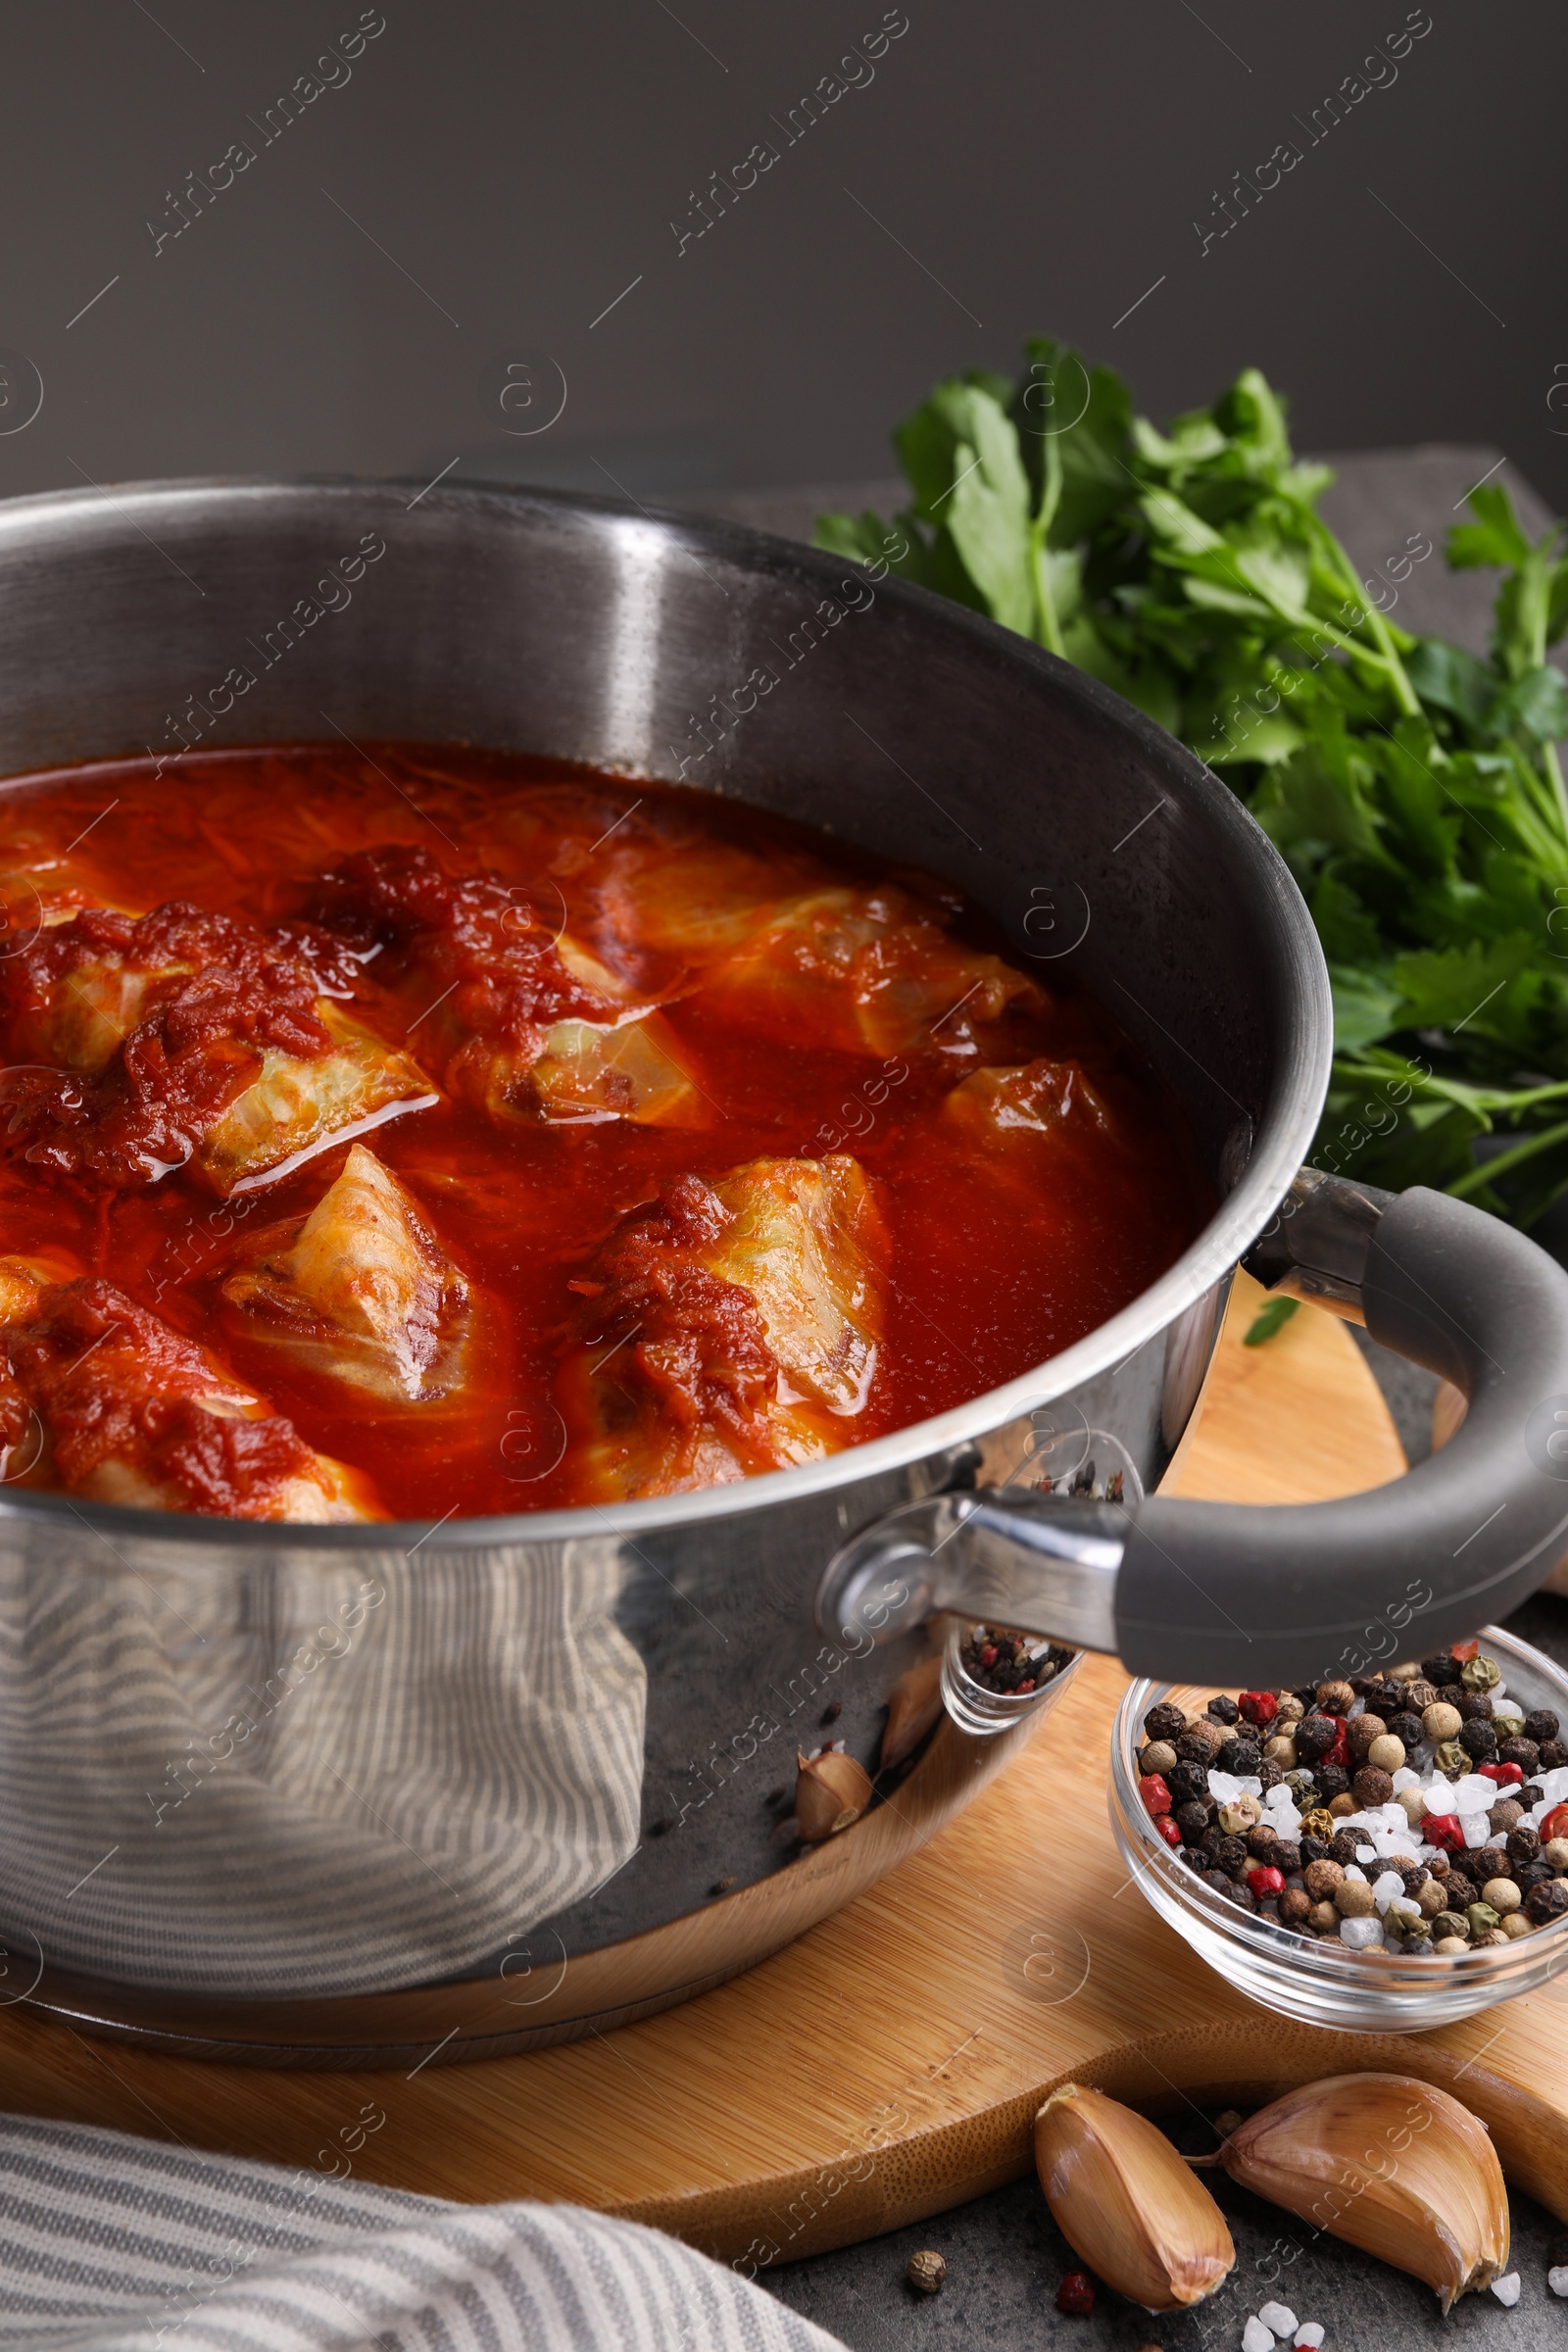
(1449, 1924)
(1481, 1919)
(1451, 1760)
(1481, 1673)
(1401, 1926)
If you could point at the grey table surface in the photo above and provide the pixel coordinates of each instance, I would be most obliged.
(1004, 2255)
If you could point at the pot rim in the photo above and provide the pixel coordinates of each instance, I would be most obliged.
(1279, 1146)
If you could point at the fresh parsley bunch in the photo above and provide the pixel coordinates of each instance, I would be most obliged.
(1415, 790)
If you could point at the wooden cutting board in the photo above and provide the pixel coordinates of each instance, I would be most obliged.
(889, 2063)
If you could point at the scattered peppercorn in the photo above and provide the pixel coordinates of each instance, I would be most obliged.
(926, 2271)
(1223, 1709)
(1076, 2294)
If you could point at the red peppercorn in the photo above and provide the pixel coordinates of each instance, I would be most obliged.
(1337, 1753)
(1155, 1794)
(1464, 1651)
(1259, 1706)
(1169, 1831)
(988, 1656)
(1076, 2294)
(1504, 1776)
(1266, 1880)
(1443, 1831)
(1023, 1687)
(1555, 1825)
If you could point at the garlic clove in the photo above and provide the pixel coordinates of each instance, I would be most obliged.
(913, 1704)
(1389, 2164)
(1127, 2204)
(831, 1792)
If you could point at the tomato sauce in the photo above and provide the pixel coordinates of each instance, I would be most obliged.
(455, 903)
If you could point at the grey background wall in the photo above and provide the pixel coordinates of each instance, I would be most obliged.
(486, 178)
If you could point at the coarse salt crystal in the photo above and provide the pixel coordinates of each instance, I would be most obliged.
(1255, 2338)
(1405, 1779)
(1405, 1904)
(1385, 1887)
(1311, 2336)
(1506, 2290)
(1476, 1827)
(1279, 2317)
(1351, 1871)
(1558, 2279)
(1361, 1934)
(1367, 1853)
(1474, 1790)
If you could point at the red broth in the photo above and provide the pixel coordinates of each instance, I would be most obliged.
(987, 1273)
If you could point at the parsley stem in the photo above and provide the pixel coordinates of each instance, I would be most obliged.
(1050, 636)
(1475, 1180)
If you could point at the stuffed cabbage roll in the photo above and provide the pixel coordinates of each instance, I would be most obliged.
(146, 1044)
(870, 971)
(361, 1290)
(1025, 1127)
(729, 1328)
(131, 1412)
(527, 1024)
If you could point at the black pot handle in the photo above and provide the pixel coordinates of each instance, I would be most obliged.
(1283, 1594)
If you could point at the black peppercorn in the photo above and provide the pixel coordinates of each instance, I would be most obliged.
(1530, 1874)
(1523, 1752)
(1541, 1725)
(1315, 1735)
(1524, 1845)
(1197, 1859)
(1490, 1861)
(1332, 1781)
(1455, 1695)
(1474, 1705)
(1186, 1781)
(1548, 1901)
(1242, 1895)
(1269, 1776)
(1314, 1850)
(1192, 1819)
(1229, 1853)
(1164, 1721)
(1287, 1856)
(1219, 1880)
(1261, 1841)
(1239, 1756)
(1345, 1846)
(1553, 1754)
(1409, 1728)
(1478, 1739)
(1531, 1795)
(1442, 1667)
(1223, 1709)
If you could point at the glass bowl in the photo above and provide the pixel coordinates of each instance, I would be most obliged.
(1327, 1984)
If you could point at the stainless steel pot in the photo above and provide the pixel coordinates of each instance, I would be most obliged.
(322, 1795)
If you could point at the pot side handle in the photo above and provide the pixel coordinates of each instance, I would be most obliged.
(1279, 1596)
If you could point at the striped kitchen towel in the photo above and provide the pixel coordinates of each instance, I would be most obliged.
(112, 2244)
